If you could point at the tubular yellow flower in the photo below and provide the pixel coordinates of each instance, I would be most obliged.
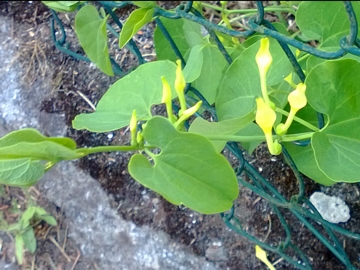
(133, 125)
(297, 98)
(263, 57)
(186, 114)
(289, 80)
(262, 256)
(180, 86)
(166, 98)
(263, 60)
(265, 118)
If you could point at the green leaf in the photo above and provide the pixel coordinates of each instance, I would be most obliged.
(41, 214)
(27, 216)
(34, 136)
(62, 6)
(19, 248)
(145, 4)
(29, 240)
(31, 144)
(138, 91)
(49, 219)
(183, 33)
(20, 172)
(336, 145)
(251, 130)
(213, 66)
(304, 158)
(192, 33)
(137, 19)
(45, 150)
(319, 20)
(241, 81)
(188, 170)
(226, 127)
(91, 32)
(194, 65)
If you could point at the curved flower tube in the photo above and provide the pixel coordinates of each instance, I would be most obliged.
(297, 100)
(265, 118)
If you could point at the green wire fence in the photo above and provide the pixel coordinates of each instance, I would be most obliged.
(298, 205)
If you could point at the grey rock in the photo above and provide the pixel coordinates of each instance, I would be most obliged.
(331, 208)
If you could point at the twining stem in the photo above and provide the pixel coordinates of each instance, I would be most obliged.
(299, 120)
(245, 11)
(284, 138)
(110, 148)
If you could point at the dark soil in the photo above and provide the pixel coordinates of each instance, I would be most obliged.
(206, 235)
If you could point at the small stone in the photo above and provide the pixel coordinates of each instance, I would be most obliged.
(215, 253)
(331, 208)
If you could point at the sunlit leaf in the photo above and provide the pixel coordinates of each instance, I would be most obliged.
(137, 19)
(138, 91)
(333, 89)
(91, 32)
(188, 170)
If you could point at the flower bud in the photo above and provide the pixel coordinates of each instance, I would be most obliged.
(133, 121)
(166, 97)
(179, 80)
(180, 87)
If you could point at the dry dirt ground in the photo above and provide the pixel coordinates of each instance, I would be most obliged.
(204, 235)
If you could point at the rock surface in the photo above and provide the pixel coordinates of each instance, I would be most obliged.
(102, 235)
(331, 208)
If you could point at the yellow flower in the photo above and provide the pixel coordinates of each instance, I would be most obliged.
(263, 60)
(186, 115)
(263, 57)
(133, 126)
(180, 84)
(166, 98)
(262, 256)
(297, 98)
(265, 116)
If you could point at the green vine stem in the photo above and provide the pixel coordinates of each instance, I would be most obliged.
(284, 138)
(246, 11)
(299, 120)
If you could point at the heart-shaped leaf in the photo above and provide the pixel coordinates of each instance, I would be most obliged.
(62, 6)
(185, 34)
(333, 89)
(320, 20)
(20, 172)
(91, 32)
(137, 19)
(187, 171)
(31, 135)
(225, 127)
(29, 143)
(304, 158)
(138, 91)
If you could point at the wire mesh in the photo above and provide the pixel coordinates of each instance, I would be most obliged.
(298, 205)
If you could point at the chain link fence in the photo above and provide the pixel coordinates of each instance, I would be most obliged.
(298, 205)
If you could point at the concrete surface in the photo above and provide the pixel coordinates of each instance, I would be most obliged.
(101, 234)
